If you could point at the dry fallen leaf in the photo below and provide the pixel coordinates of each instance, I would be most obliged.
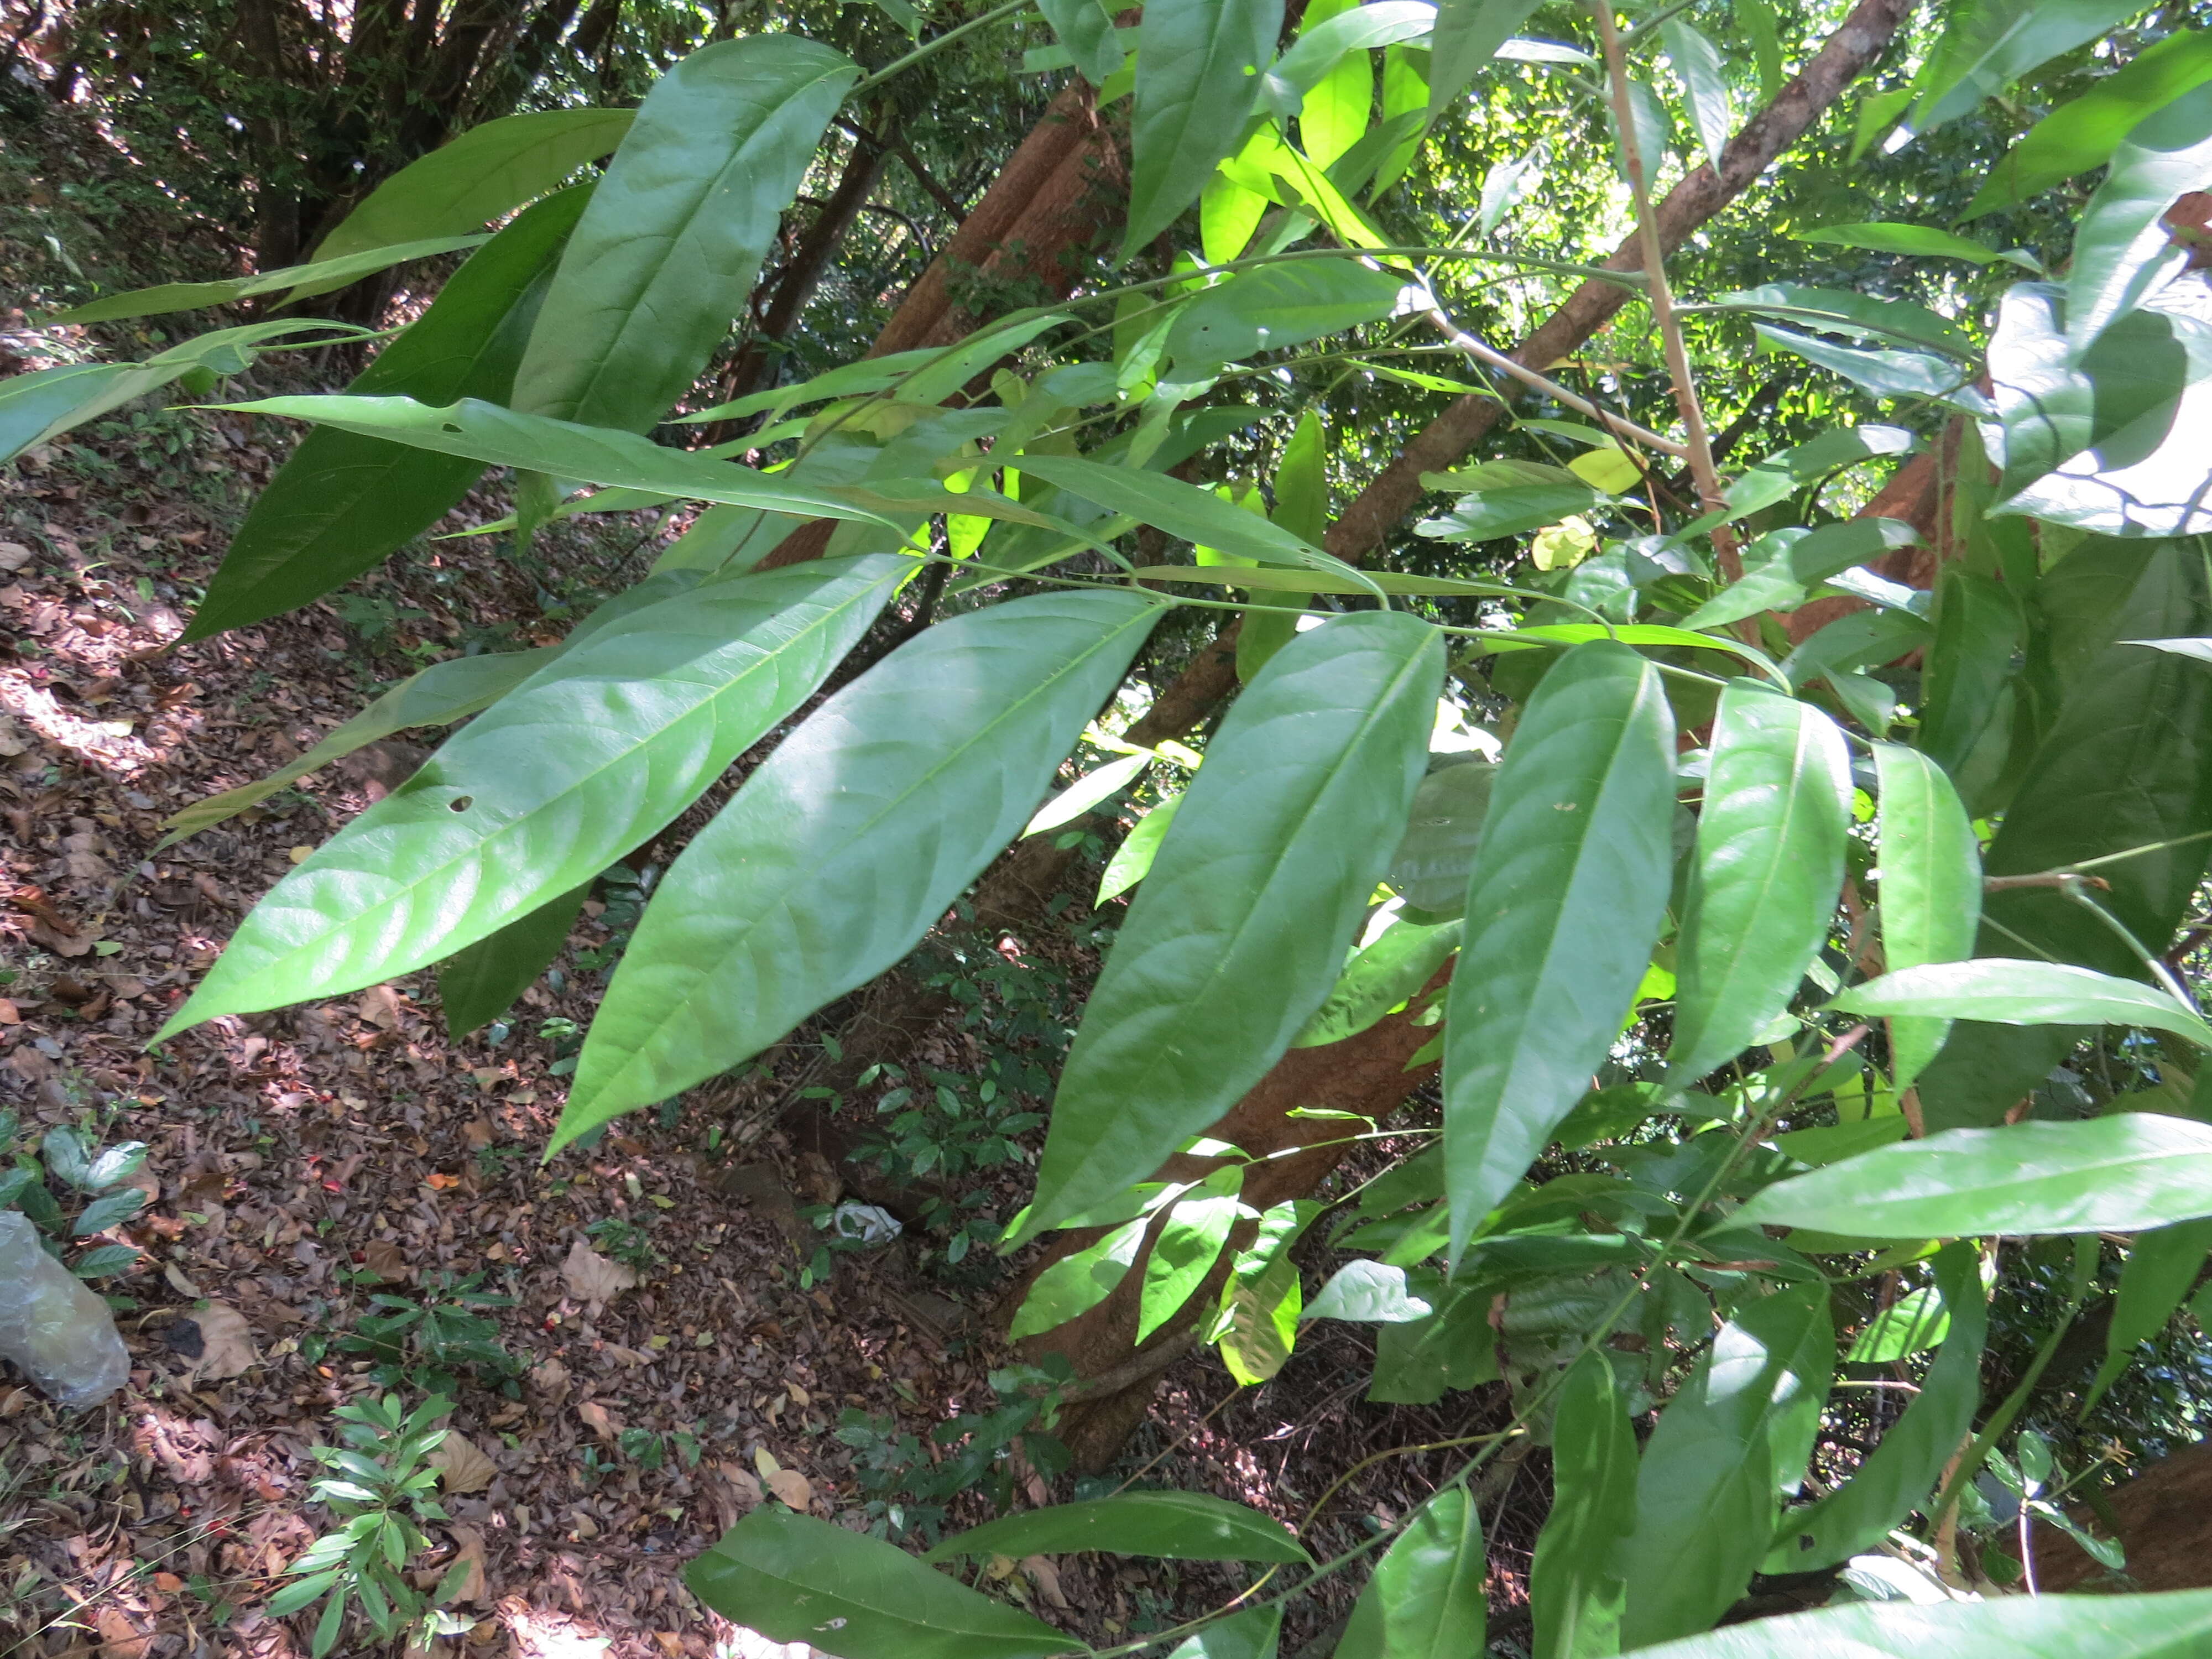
(381, 1257)
(380, 1006)
(469, 1543)
(597, 1419)
(793, 1487)
(118, 1637)
(550, 1378)
(226, 1339)
(1046, 1577)
(592, 1278)
(462, 1463)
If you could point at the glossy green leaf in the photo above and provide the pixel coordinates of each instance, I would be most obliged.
(1574, 1588)
(1252, 1634)
(1783, 567)
(1302, 509)
(1335, 110)
(1697, 64)
(1087, 792)
(1379, 978)
(489, 171)
(1132, 859)
(2177, 1625)
(1467, 35)
(1885, 373)
(1568, 887)
(1914, 1322)
(1487, 515)
(1328, 34)
(668, 249)
(192, 296)
(2161, 1270)
(1987, 44)
(1730, 1440)
(1437, 852)
(1187, 1246)
(1080, 1281)
(1257, 1325)
(2018, 991)
(1862, 316)
(1241, 928)
(796, 1579)
(344, 500)
(1278, 305)
(1369, 1293)
(1177, 1526)
(1505, 184)
(1968, 696)
(1921, 242)
(480, 982)
(1766, 875)
(1424, 1599)
(1931, 889)
(646, 714)
(1086, 29)
(2125, 1173)
(811, 880)
(2120, 249)
(1902, 1471)
(1199, 77)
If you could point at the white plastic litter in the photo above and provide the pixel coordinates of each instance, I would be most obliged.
(53, 1324)
(867, 1222)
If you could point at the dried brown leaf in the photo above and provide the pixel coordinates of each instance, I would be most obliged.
(462, 1463)
(227, 1342)
(592, 1278)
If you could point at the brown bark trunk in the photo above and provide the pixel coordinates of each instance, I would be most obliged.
(2162, 1518)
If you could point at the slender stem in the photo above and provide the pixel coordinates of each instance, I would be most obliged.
(1661, 298)
(1551, 388)
(927, 47)
(2028, 1549)
(1970, 1465)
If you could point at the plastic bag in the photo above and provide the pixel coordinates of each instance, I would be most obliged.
(53, 1324)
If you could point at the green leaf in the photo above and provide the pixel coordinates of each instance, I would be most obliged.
(1989, 43)
(1257, 1325)
(114, 1164)
(343, 501)
(2171, 1627)
(1884, 374)
(1334, 111)
(1568, 887)
(1697, 64)
(1904, 1466)
(812, 880)
(1177, 1526)
(2125, 1173)
(1279, 306)
(2121, 249)
(104, 1262)
(1381, 977)
(649, 712)
(1425, 1599)
(1086, 29)
(1333, 31)
(480, 982)
(1184, 1253)
(1755, 18)
(1199, 77)
(489, 171)
(796, 1579)
(1242, 926)
(1862, 316)
(67, 1158)
(1914, 1321)
(1078, 1282)
(1967, 695)
(1931, 889)
(333, 1621)
(2161, 1269)
(1920, 241)
(1504, 185)
(1729, 1441)
(1437, 852)
(1766, 875)
(192, 297)
(668, 249)
(1251, 1634)
(1369, 1293)
(299, 1593)
(2016, 990)
(1575, 1588)
(111, 1210)
(1487, 515)
(1467, 35)
(1087, 792)
(1132, 859)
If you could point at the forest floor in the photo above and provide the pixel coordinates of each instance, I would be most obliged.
(657, 1359)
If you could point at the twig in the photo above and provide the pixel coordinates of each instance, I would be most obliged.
(1130, 1372)
(2058, 878)
(1497, 360)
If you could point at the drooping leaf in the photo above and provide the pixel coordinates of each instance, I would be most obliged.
(1241, 928)
(1278, 305)
(1575, 1587)
(1564, 901)
(1886, 373)
(1767, 870)
(1087, 792)
(812, 880)
(1467, 35)
(1987, 44)
(1755, 18)
(1506, 183)
(1079, 1281)
(2175, 1626)
(489, 171)
(1864, 316)
(796, 1579)
(1905, 1466)
(668, 249)
(1187, 1246)
(1301, 508)
(192, 297)
(1729, 1441)
(1931, 889)
(1487, 515)
(1257, 1325)
(1914, 1322)
(643, 716)
(2018, 991)
(1379, 979)
(343, 501)
(2125, 1173)
(1921, 242)
(477, 984)
(1425, 1598)
(1177, 1526)
(1697, 64)
(1968, 694)
(1199, 67)
(2161, 1269)
(2120, 249)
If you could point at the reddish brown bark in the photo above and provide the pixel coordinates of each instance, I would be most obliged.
(2162, 1518)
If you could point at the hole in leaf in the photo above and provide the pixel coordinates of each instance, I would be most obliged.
(461, 803)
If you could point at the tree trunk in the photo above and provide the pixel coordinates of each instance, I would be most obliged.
(2162, 1518)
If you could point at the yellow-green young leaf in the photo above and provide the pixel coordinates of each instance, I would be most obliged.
(1242, 926)
(1228, 215)
(1764, 880)
(1176, 1525)
(1911, 1324)
(1086, 27)
(669, 247)
(1257, 1325)
(2178, 1625)
(2162, 1267)
(1078, 1282)
(477, 984)
(1133, 858)
(1468, 33)
(1564, 901)
(2125, 1174)
(1197, 1227)
(1931, 889)
(1302, 509)
(567, 773)
(1405, 107)
(343, 501)
(2121, 249)
(1335, 112)
(1574, 1589)
(2013, 991)
(489, 170)
(817, 876)
(192, 296)
(796, 1579)
(1730, 1440)
(1198, 74)
(1903, 1469)
(1425, 1600)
